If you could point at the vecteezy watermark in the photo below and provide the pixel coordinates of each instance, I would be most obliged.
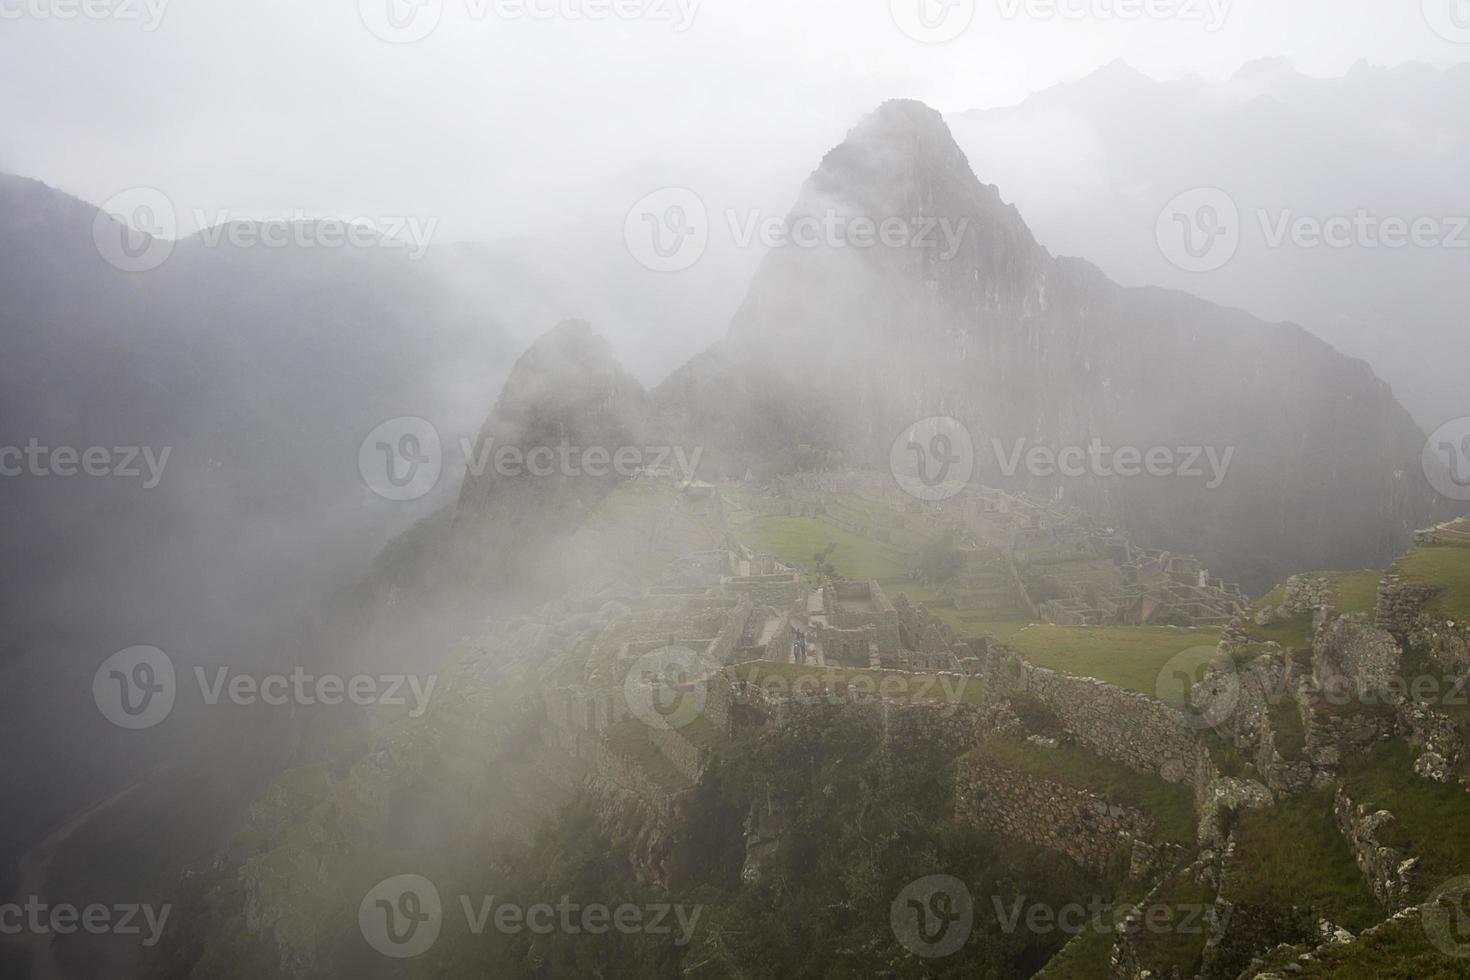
(1446, 459)
(1363, 229)
(1102, 916)
(1199, 231)
(403, 916)
(1097, 459)
(135, 229)
(403, 459)
(670, 229)
(933, 917)
(1201, 682)
(933, 21)
(668, 688)
(411, 21)
(1450, 19)
(66, 462)
(1211, 14)
(842, 686)
(137, 688)
(300, 229)
(146, 13)
(35, 917)
(1446, 918)
(933, 459)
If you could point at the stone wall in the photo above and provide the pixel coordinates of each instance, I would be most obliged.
(1400, 605)
(1139, 732)
(1305, 593)
(1351, 656)
(1082, 825)
(682, 753)
(1390, 873)
(1442, 745)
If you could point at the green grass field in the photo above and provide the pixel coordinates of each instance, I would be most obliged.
(1398, 951)
(1131, 657)
(1433, 819)
(796, 540)
(1447, 568)
(1294, 853)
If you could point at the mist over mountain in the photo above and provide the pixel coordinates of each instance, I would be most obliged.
(552, 488)
(1093, 163)
(844, 347)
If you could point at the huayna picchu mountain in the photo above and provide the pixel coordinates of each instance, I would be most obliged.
(842, 347)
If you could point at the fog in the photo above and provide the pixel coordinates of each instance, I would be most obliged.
(175, 182)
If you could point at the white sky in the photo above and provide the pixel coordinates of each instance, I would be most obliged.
(500, 127)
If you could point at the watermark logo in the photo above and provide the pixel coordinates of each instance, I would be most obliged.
(411, 21)
(933, 459)
(66, 462)
(402, 459)
(1211, 14)
(401, 917)
(401, 21)
(933, 21)
(135, 688)
(1199, 231)
(933, 917)
(1447, 918)
(304, 230)
(39, 919)
(1103, 917)
(839, 686)
(1363, 229)
(668, 230)
(134, 230)
(1446, 459)
(667, 688)
(1203, 683)
(1450, 19)
(148, 13)
(1097, 459)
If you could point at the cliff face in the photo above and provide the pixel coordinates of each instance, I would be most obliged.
(843, 346)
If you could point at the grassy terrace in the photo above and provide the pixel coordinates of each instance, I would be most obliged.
(1178, 939)
(1171, 805)
(899, 685)
(1130, 657)
(1446, 567)
(1433, 818)
(1086, 957)
(1400, 951)
(1292, 854)
(795, 540)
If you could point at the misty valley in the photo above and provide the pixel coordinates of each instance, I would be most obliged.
(655, 490)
